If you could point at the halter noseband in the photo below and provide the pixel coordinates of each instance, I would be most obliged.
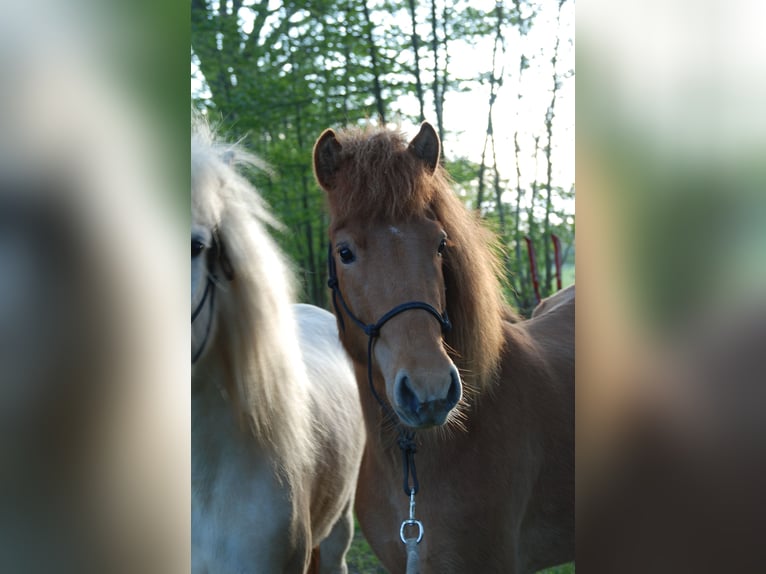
(372, 330)
(215, 254)
(406, 439)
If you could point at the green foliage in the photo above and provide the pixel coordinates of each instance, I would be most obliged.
(360, 558)
(277, 74)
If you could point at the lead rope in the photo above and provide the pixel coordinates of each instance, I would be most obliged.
(411, 543)
(406, 440)
(407, 445)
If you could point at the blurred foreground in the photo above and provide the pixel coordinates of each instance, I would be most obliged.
(94, 401)
(671, 317)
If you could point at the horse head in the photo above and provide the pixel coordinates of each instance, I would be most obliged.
(210, 264)
(388, 272)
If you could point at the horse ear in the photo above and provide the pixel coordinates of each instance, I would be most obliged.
(326, 158)
(426, 146)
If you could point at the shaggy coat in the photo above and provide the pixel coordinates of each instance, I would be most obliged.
(277, 431)
(497, 480)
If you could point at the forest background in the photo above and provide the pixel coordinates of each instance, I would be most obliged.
(496, 79)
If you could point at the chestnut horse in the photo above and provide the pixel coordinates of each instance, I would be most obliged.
(420, 310)
(277, 430)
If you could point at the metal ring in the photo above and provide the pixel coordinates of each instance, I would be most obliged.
(413, 523)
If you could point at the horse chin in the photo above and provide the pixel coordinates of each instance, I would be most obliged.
(421, 421)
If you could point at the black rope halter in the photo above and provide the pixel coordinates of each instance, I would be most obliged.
(215, 256)
(406, 440)
(209, 292)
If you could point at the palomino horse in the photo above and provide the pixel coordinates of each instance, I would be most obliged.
(277, 429)
(419, 303)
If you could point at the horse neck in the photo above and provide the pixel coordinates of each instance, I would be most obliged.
(211, 407)
(213, 412)
(215, 402)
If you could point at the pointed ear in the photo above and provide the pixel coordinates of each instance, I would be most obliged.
(426, 146)
(326, 159)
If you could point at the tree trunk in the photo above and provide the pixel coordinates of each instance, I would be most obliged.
(482, 164)
(377, 90)
(494, 82)
(520, 269)
(310, 277)
(445, 35)
(346, 71)
(498, 194)
(437, 89)
(547, 285)
(531, 222)
(206, 48)
(415, 49)
(313, 290)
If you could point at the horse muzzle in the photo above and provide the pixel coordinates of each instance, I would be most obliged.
(423, 403)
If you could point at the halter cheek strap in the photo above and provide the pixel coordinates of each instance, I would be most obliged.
(216, 255)
(373, 329)
(208, 296)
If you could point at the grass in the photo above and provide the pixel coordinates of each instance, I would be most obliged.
(361, 560)
(563, 569)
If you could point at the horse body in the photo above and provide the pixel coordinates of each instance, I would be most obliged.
(497, 480)
(277, 431)
(241, 511)
(496, 498)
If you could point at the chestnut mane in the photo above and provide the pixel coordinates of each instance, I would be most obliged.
(379, 178)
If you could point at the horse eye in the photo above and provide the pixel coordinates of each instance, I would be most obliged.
(442, 246)
(346, 255)
(196, 248)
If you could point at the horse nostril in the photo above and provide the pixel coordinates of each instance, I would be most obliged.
(404, 394)
(455, 391)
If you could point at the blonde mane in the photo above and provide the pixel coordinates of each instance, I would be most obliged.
(255, 352)
(380, 180)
